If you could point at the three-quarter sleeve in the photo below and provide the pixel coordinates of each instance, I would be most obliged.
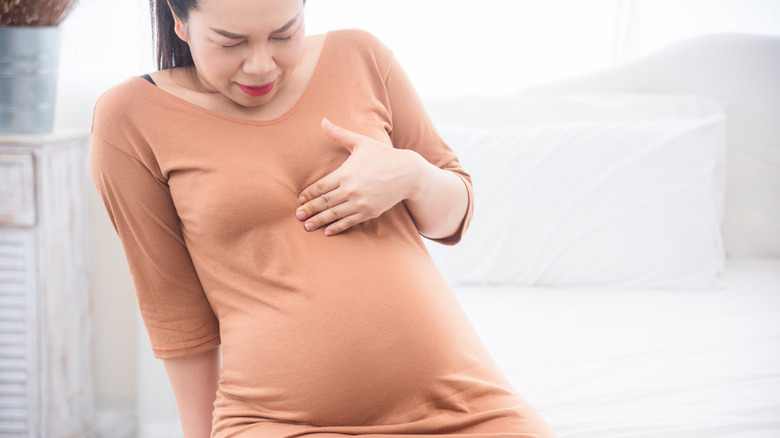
(176, 312)
(412, 128)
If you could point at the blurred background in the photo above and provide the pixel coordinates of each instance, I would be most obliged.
(448, 47)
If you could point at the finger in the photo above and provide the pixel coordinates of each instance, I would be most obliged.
(326, 184)
(320, 204)
(342, 136)
(324, 218)
(343, 224)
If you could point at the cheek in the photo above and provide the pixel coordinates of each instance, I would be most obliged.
(290, 55)
(215, 60)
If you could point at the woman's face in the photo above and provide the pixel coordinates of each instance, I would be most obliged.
(244, 49)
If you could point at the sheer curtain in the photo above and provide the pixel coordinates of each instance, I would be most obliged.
(448, 47)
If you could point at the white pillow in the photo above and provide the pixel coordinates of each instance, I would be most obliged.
(595, 203)
(523, 110)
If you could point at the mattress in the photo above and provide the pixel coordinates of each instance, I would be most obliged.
(608, 363)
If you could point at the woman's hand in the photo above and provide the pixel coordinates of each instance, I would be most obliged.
(372, 180)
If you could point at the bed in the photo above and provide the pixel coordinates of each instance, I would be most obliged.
(623, 264)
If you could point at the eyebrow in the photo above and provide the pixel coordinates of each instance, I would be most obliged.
(236, 36)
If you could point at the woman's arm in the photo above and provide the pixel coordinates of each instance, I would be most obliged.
(374, 179)
(439, 204)
(194, 380)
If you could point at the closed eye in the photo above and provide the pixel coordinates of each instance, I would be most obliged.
(231, 46)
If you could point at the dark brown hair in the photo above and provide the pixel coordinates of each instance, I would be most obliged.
(170, 50)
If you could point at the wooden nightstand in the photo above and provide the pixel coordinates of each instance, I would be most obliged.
(45, 336)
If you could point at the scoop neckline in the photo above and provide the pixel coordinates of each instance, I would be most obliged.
(276, 120)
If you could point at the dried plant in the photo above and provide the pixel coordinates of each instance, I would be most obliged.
(34, 12)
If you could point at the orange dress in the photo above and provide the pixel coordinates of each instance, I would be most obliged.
(354, 334)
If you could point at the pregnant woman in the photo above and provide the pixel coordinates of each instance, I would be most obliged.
(270, 190)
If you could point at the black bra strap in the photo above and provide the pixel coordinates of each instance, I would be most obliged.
(148, 78)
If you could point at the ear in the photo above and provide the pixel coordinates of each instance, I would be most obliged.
(180, 26)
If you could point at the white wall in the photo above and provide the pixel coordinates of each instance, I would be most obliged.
(449, 47)
(456, 47)
(657, 23)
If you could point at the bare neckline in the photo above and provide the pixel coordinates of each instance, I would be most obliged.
(275, 120)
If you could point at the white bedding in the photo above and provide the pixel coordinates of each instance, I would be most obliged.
(608, 363)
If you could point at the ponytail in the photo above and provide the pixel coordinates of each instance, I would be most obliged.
(170, 51)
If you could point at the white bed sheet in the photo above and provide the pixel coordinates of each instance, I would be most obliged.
(608, 363)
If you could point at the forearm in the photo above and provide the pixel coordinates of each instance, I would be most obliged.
(439, 202)
(194, 379)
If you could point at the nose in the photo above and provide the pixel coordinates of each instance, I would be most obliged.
(260, 61)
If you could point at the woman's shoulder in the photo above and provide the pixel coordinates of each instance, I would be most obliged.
(122, 112)
(121, 93)
(359, 43)
(355, 35)
(120, 100)
(361, 39)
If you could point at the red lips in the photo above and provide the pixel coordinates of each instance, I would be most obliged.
(257, 91)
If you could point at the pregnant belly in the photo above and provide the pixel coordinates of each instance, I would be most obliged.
(350, 356)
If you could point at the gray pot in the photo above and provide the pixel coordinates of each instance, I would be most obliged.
(29, 62)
